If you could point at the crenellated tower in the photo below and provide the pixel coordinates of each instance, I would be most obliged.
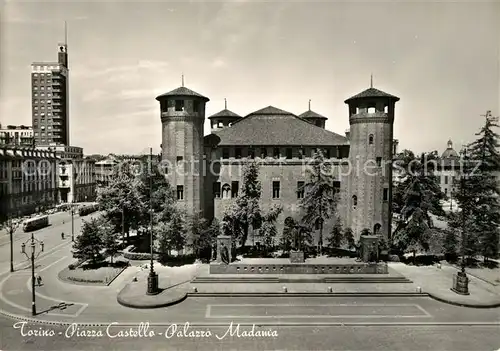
(182, 118)
(371, 119)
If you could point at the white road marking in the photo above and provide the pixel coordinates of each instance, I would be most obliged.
(53, 263)
(208, 312)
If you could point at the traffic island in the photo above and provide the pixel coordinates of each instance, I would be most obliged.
(134, 295)
(102, 275)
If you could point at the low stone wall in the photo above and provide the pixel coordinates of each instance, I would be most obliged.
(357, 268)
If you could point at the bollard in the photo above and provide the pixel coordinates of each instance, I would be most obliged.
(330, 289)
(285, 289)
(419, 289)
(195, 289)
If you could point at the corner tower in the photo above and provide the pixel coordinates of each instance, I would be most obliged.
(182, 119)
(371, 120)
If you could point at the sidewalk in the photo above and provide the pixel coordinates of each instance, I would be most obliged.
(437, 282)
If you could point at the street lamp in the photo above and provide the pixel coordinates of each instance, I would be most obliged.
(32, 256)
(152, 277)
(460, 280)
(72, 223)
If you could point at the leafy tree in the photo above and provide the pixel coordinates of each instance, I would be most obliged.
(268, 231)
(349, 238)
(109, 238)
(450, 245)
(246, 213)
(204, 236)
(319, 201)
(365, 232)
(295, 230)
(336, 238)
(171, 235)
(89, 244)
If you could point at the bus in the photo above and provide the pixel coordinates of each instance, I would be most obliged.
(88, 209)
(35, 223)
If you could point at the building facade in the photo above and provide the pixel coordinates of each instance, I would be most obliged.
(50, 100)
(27, 180)
(206, 172)
(104, 170)
(75, 174)
(16, 135)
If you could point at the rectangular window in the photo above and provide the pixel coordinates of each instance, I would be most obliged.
(289, 153)
(446, 191)
(446, 179)
(263, 152)
(251, 153)
(179, 159)
(234, 189)
(336, 187)
(379, 161)
(302, 153)
(327, 153)
(276, 189)
(237, 152)
(180, 192)
(313, 151)
(196, 106)
(300, 190)
(276, 152)
(179, 105)
(386, 194)
(216, 190)
(225, 152)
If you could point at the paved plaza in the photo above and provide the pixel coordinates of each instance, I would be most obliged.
(346, 319)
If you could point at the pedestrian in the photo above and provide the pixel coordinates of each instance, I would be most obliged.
(62, 235)
(39, 280)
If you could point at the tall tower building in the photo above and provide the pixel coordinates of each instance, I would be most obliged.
(50, 100)
(371, 119)
(182, 118)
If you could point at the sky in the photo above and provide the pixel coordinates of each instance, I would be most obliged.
(441, 59)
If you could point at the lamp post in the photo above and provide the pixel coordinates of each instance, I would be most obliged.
(72, 223)
(32, 256)
(460, 280)
(153, 276)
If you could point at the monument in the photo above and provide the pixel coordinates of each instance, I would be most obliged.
(224, 255)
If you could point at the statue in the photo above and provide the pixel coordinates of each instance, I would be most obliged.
(224, 254)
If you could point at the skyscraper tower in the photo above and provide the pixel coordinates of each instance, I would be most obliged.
(50, 99)
(182, 118)
(371, 119)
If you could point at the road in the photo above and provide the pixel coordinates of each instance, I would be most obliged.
(51, 237)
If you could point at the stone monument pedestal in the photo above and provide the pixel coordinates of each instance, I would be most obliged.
(297, 257)
(152, 284)
(224, 240)
(369, 248)
(460, 284)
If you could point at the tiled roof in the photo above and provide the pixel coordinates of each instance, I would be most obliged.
(371, 92)
(312, 114)
(225, 113)
(182, 91)
(272, 126)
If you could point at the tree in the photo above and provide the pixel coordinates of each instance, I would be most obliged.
(319, 201)
(89, 244)
(268, 231)
(171, 235)
(10, 225)
(109, 238)
(349, 239)
(246, 213)
(204, 236)
(293, 231)
(450, 245)
(421, 196)
(485, 212)
(336, 238)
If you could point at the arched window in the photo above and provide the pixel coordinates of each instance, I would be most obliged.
(226, 191)
(354, 201)
(376, 228)
(370, 139)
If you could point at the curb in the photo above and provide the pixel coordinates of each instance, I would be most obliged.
(464, 304)
(305, 294)
(174, 301)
